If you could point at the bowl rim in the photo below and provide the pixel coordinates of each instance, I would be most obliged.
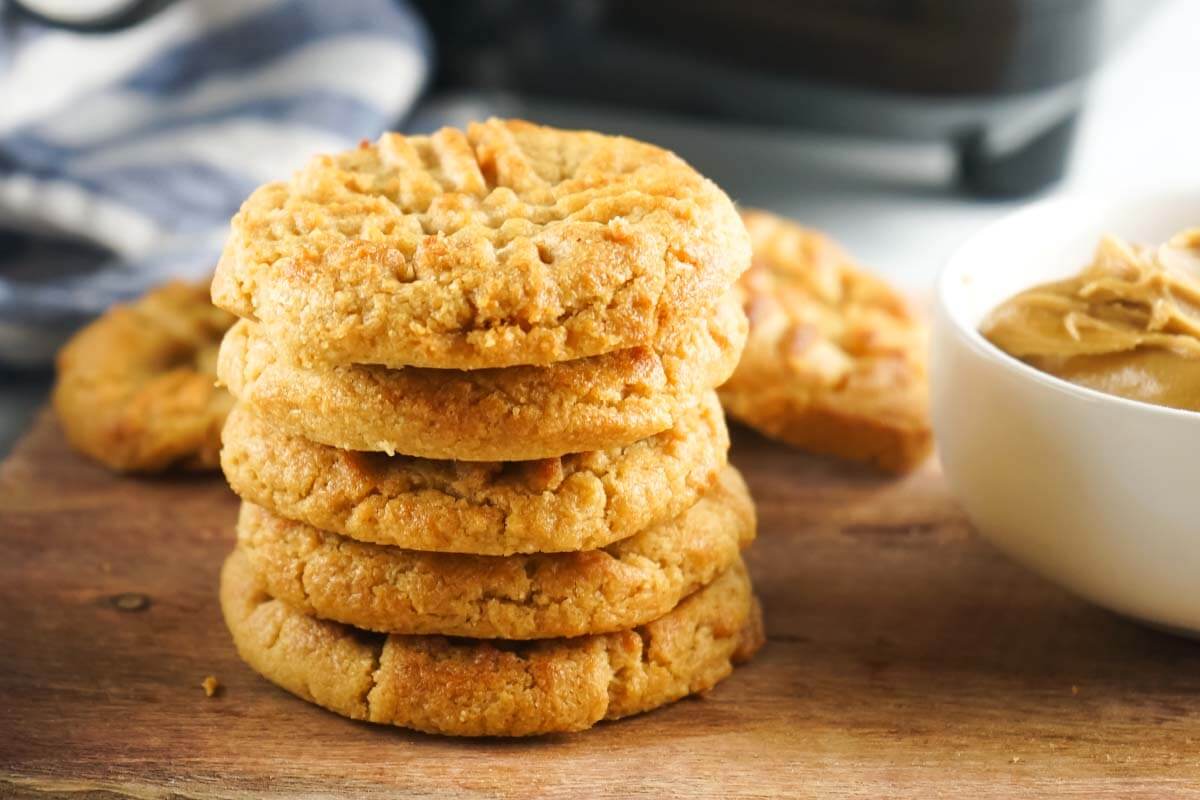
(981, 347)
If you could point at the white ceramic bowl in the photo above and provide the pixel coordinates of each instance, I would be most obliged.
(1095, 492)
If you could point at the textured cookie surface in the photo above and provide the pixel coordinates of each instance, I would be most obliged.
(136, 388)
(468, 687)
(579, 501)
(506, 244)
(539, 596)
(835, 361)
(507, 414)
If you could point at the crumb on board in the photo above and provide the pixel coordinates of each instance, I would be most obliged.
(210, 685)
(1074, 691)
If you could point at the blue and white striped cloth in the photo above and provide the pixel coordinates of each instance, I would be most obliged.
(143, 142)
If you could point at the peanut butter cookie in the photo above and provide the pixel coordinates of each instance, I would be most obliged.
(137, 390)
(835, 361)
(534, 596)
(579, 501)
(508, 414)
(506, 244)
(469, 687)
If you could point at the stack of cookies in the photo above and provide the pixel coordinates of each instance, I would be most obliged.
(482, 460)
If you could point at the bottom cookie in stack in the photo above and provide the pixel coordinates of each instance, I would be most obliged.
(478, 687)
(561, 640)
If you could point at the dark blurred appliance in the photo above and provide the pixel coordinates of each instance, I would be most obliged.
(1000, 80)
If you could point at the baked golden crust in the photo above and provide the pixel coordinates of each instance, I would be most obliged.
(535, 596)
(835, 362)
(579, 501)
(509, 243)
(137, 390)
(465, 687)
(509, 414)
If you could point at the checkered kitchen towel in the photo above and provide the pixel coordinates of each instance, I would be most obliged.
(123, 154)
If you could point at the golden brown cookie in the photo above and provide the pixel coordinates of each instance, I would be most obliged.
(508, 414)
(506, 244)
(835, 362)
(137, 388)
(468, 687)
(578, 501)
(535, 596)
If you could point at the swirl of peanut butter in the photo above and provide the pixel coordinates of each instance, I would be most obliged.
(1128, 325)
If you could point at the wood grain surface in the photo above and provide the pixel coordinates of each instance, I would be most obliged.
(906, 659)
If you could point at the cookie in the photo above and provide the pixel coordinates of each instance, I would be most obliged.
(578, 501)
(506, 244)
(835, 362)
(533, 596)
(508, 414)
(136, 388)
(469, 687)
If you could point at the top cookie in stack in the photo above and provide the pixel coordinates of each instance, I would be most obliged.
(553, 303)
(507, 244)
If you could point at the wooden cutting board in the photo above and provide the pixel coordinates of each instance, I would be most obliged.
(906, 658)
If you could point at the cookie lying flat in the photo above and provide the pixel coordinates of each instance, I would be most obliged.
(465, 687)
(137, 390)
(579, 501)
(510, 414)
(506, 244)
(835, 362)
(507, 597)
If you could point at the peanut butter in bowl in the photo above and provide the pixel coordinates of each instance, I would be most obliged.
(1127, 325)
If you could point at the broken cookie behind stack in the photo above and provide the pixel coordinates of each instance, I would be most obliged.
(836, 361)
(482, 462)
(135, 387)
